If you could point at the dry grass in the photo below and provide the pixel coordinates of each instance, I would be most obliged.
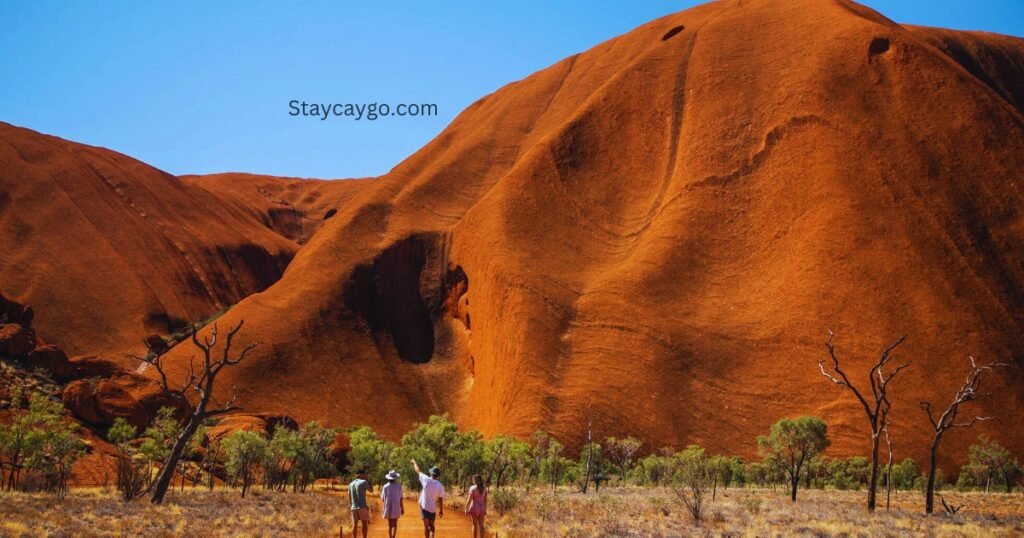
(620, 512)
(634, 512)
(192, 513)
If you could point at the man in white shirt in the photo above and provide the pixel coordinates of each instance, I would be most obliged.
(431, 498)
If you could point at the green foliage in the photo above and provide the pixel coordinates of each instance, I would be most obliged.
(548, 462)
(131, 469)
(990, 463)
(622, 453)
(506, 459)
(693, 479)
(244, 450)
(903, 474)
(159, 437)
(438, 442)
(504, 500)
(654, 470)
(298, 457)
(793, 442)
(847, 474)
(377, 456)
(40, 443)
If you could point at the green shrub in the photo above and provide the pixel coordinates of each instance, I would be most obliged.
(504, 500)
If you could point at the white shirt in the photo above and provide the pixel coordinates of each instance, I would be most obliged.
(431, 492)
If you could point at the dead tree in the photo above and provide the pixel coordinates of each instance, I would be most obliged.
(876, 410)
(950, 509)
(888, 468)
(199, 385)
(948, 420)
(588, 466)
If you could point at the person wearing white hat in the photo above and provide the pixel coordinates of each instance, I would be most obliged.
(391, 494)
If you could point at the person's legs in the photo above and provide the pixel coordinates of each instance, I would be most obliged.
(483, 529)
(428, 523)
(355, 523)
(392, 528)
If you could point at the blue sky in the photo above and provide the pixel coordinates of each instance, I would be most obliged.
(199, 87)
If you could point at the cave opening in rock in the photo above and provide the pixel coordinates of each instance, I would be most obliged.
(671, 33)
(386, 293)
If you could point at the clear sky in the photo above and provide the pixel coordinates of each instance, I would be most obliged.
(199, 87)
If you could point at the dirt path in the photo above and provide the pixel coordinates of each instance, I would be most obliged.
(453, 524)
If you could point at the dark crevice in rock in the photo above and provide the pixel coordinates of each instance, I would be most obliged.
(404, 291)
(671, 33)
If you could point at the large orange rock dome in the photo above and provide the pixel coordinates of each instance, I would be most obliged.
(656, 236)
(658, 233)
(113, 249)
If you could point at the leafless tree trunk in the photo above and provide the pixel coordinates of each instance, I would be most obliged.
(877, 411)
(590, 457)
(888, 468)
(948, 420)
(201, 386)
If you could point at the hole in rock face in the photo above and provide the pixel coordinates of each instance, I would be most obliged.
(668, 35)
(386, 293)
(404, 291)
(879, 45)
(468, 327)
(330, 213)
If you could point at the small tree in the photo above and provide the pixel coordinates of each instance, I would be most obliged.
(791, 443)
(591, 465)
(693, 478)
(314, 447)
(993, 461)
(158, 439)
(130, 471)
(903, 475)
(622, 452)
(368, 451)
(503, 456)
(588, 458)
(52, 444)
(877, 409)
(14, 441)
(948, 420)
(200, 385)
(553, 466)
(244, 450)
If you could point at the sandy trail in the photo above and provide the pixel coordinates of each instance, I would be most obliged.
(454, 522)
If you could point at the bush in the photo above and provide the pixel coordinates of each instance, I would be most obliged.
(504, 500)
(131, 472)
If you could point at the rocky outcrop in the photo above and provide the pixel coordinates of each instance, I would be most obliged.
(99, 402)
(16, 340)
(14, 312)
(53, 360)
(262, 423)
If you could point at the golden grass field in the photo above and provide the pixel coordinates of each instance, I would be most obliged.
(625, 512)
(655, 512)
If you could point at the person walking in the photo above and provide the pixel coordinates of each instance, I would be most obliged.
(431, 498)
(476, 505)
(391, 494)
(357, 502)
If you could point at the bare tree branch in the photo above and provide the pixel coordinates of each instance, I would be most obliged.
(967, 392)
(876, 411)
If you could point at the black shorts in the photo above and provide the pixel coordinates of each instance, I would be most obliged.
(428, 516)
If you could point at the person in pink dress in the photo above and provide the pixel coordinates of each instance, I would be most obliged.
(476, 505)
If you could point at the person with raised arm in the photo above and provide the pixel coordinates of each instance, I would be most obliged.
(431, 498)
